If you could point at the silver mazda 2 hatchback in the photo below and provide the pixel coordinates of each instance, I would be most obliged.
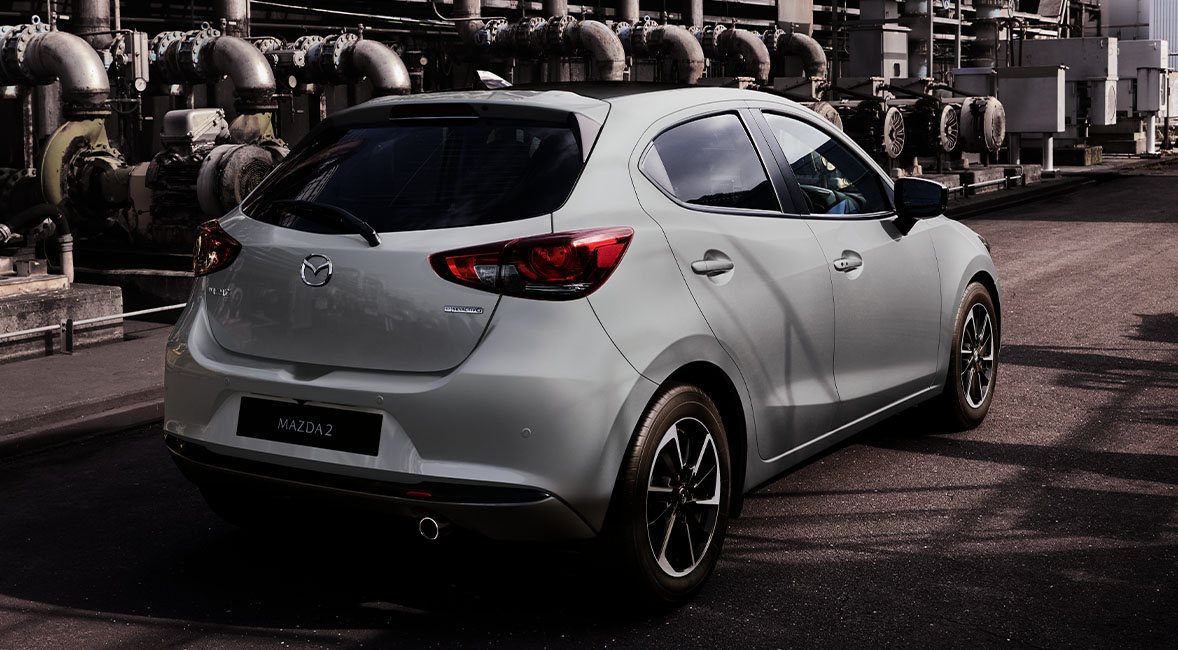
(597, 312)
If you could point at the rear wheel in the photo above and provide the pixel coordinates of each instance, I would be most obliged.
(973, 361)
(671, 507)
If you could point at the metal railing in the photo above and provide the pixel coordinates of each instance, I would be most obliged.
(66, 327)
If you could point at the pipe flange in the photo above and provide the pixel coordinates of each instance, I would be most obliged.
(522, 34)
(709, 37)
(640, 36)
(770, 36)
(332, 53)
(189, 62)
(304, 43)
(13, 49)
(157, 49)
(556, 32)
(267, 44)
(488, 36)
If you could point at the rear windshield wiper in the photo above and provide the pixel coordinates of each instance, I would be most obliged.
(332, 215)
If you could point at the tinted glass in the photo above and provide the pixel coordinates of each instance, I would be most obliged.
(427, 174)
(834, 180)
(710, 162)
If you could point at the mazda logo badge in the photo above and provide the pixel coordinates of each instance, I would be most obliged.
(316, 270)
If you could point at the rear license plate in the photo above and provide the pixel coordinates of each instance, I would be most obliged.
(355, 432)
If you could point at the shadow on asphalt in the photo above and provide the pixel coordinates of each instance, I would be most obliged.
(137, 541)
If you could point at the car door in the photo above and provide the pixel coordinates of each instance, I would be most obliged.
(886, 283)
(756, 271)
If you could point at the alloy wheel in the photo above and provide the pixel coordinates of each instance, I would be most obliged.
(977, 355)
(683, 497)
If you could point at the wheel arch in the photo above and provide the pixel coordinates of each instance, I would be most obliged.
(986, 280)
(713, 381)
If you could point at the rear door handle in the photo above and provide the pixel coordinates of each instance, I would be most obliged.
(712, 266)
(848, 262)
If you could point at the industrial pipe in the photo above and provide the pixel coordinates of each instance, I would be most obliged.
(681, 46)
(382, 66)
(253, 79)
(750, 48)
(812, 54)
(628, 11)
(236, 15)
(695, 13)
(62, 56)
(93, 16)
(603, 46)
(556, 8)
(466, 10)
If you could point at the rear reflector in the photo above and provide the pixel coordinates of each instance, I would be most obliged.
(560, 266)
(214, 250)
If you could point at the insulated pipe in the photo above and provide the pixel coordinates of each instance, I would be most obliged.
(695, 13)
(382, 66)
(93, 16)
(253, 79)
(556, 8)
(628, 11)
(236, 15)
(679, 44)
(604, 47)
(68, 58)
(813, 56)
(750, 48)
(467, 9)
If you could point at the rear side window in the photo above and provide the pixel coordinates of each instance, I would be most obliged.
(711, 162)
(425, 174)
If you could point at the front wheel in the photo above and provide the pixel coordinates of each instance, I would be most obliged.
(973, 361)
(671, 508)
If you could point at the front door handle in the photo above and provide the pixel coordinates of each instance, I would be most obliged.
(848, 262)
(711, 267)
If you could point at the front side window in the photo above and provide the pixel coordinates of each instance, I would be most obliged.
(413, 175)
(710, 162)
(833, 179)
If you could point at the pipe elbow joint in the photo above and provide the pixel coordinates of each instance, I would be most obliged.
(70, 59)
(253, 79)
(749, 47)
(811, 52)
(381, 65)
(682, 46)
(603, 46)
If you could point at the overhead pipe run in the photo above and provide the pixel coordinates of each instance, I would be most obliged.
(33, 55)
(236, 14)
(628, 11)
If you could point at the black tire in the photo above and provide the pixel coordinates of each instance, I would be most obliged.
(963, 406)
(664, 573)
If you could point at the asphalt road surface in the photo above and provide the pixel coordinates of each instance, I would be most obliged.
(1054, 525)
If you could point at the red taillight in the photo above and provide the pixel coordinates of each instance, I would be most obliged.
(215, 249)
(560, 266)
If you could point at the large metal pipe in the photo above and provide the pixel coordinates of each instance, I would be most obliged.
(695, 13)
(236, 14)
(812, 54)
(681, 46)
(628, 11)
(467, 12)
(750, 48)
(68, 58)
(556, 8)
(92, 16)
(382, 66)
(603, 46)
(253, 79)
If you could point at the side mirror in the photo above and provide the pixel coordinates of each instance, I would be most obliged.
(919, 198)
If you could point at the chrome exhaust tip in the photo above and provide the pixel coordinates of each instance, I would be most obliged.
(431, 529)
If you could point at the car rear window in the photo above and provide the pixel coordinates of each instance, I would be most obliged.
(426, 174)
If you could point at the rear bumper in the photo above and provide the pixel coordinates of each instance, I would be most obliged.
(498, 512)
(546, 404)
